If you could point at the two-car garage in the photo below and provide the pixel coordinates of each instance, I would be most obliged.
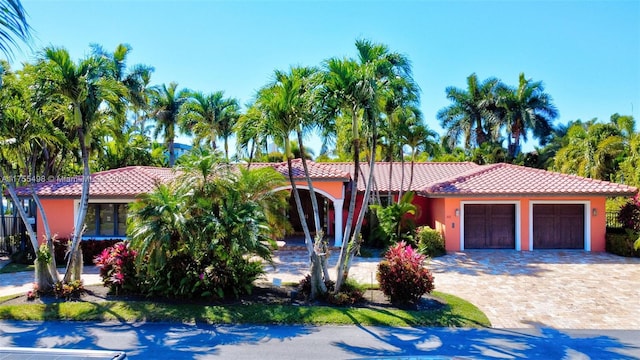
(497, 225)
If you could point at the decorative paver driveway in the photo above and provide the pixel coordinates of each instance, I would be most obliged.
(559, 289)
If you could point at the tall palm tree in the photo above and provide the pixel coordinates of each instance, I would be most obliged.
(23, 135)
(89, 91)
(166, 105)
(468, 116)
(528, 108)
(13, 25)
(353, 89)
(285, 105)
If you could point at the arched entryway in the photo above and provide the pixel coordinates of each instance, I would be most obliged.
(330, 212)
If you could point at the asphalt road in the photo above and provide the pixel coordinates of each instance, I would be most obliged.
(183, 341)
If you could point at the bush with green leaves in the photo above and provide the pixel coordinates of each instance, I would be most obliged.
(350, 293)
(204, 236)
(622, 244)
(402, 275)
(430, 241)
(395, 221)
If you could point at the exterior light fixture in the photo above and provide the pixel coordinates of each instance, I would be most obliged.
(594, 211)
(458, 212)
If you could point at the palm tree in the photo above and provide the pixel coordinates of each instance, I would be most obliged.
(211, 117)
(285, 105)
(468, 115)
(419, 137)
(527, 108)
(592, 151)
(89, 90)
(352, 88)
(251, 134)
(13, 25)
(166, 104)
(23, 135)
(156, 223)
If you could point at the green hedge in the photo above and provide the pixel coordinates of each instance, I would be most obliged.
(621, 244)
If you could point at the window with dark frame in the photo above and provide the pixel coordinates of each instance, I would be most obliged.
(106, 220)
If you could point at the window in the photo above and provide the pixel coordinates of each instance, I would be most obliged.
(106, 220)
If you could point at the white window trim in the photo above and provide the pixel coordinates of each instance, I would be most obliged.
(587, 218)
(517, 228)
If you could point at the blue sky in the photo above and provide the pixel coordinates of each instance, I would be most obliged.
(587, 53)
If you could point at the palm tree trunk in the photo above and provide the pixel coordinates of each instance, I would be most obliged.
(74, 266)
(402, 176)
(44, 283)
(316, 279)
(390, 170)
(226, 149)
(342, 260)
(172, 152)
(413, 162)
(316, 213)
(53, 269)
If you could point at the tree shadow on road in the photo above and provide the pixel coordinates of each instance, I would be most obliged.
(154, 340)
(540, 343)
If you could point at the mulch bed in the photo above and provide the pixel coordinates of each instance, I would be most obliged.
(263, 293)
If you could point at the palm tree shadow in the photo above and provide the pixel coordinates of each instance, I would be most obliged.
(166, 340)
(542, 343)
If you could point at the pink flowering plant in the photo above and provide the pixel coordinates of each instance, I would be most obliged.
(117, 268)
(402, 275)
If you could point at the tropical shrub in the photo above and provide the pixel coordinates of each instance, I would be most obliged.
(430, 242)
(402, 276)
(117, 268)
(205, 234)
(629, 214)
(70, 290)
(622, 244)
(395, 221)
(350, 292)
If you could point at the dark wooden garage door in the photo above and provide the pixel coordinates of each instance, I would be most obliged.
(558, 226)
(489, 226)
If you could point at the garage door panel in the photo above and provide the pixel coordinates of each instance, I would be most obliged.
(489, 226)
(558, 226)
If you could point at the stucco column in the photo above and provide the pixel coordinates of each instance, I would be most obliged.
(337, 221)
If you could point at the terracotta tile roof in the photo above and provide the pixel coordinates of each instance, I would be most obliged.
(507, 179)
(317, 171)
(430, 179)
(424, 173)
(125, 182)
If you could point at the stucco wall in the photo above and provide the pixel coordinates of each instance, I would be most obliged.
(60, 217)
(444, 218)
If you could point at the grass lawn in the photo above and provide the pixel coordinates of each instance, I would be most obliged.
(458, 313)
(14, 268)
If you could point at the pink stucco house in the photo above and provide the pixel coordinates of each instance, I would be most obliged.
(498, 206)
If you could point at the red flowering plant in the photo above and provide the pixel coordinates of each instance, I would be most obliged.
(117, 268)
(402, 275)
